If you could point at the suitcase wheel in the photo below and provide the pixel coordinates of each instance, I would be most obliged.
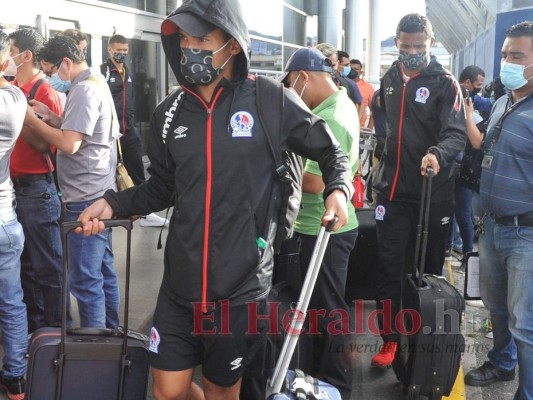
(436, 394)
(413, 392)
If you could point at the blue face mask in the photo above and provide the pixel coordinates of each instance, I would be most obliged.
(59, 84)
(346, 70)
(512, 75)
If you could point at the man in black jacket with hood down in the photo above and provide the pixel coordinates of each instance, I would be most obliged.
(209, 157)
(425, 128)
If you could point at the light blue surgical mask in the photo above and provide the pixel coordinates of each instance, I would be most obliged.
(59, 84)
(346, 70)
(512, 75)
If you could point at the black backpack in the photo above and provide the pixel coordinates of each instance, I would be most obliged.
(289, 166)
(287, 194)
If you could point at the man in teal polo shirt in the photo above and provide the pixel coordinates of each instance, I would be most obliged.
(309, 73)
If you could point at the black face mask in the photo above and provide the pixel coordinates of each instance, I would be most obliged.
(119, 58)
(474, 91)
(413, 62)
(197, 65)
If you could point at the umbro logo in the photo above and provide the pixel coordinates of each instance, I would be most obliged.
(445, 220)
(389, 90)
(112, 80)
(236, 363)
(180, 132)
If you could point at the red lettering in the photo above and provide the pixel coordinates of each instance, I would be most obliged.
(254, 317)
(387, 319)
(359, 311)
(314, 325)
(340, 326)
(293, 321)
(416, 322)
(199, 317)
(224, 317)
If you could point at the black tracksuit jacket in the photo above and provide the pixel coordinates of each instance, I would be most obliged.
(221, 180)
(123, 96)
(424, 114)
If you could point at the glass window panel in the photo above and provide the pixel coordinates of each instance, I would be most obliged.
(294, 27)
(266, 56)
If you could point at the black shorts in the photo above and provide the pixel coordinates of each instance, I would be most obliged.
(183, 337)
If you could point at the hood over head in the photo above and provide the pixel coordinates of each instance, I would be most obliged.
(199, 17)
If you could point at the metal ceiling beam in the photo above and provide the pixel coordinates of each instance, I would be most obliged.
(451, 27)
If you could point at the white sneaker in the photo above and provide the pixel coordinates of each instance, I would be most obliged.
(153, 220)
(475, 303)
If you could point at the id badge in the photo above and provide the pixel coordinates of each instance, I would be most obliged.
(487, 161)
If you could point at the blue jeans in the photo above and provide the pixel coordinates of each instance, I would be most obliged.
(506, 283)
(463, 216)
(92, 277)
(454, 236)
(38, 211)
(12, 308)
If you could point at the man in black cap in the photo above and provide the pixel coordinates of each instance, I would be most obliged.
(309, 73)
(210, 158)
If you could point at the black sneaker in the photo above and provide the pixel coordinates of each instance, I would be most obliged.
(448, 253)
(488, 374)
(15, 387)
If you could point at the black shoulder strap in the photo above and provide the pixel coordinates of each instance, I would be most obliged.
(34, 89)
(269, 101)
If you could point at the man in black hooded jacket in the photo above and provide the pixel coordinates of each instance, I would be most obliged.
(209, 157)
(425, 128)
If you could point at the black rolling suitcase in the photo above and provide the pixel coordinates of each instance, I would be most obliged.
(361, 282)
(88, 363)
(429, 350)
(286, 384)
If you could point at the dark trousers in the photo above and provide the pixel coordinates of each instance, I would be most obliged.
(332, 356)
(396, 233)
(132, 152)
(38, 210)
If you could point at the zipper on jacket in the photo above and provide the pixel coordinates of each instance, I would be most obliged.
(400, 130)
(209, 184)
(123, 101)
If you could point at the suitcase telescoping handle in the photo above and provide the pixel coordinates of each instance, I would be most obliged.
(422, 227)
(66, 228)
(282, 365)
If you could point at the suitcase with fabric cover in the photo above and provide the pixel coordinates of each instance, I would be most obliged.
(429, 351)
(363, 265)
(88, 363)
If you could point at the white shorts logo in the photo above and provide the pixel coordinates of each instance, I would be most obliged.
(154, 340)
(380, 213)
(236, 363)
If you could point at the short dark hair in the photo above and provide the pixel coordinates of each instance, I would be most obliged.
(521, 29)
(75, 34)
(342, 54)
(60, 47)
(356, 61)
(414, 23)
(28, 39)
(117, 39)
(471, 73)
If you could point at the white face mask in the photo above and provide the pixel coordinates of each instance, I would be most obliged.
(294, 84)
(12, 67)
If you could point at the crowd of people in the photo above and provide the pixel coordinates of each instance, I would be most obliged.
(64, 121)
